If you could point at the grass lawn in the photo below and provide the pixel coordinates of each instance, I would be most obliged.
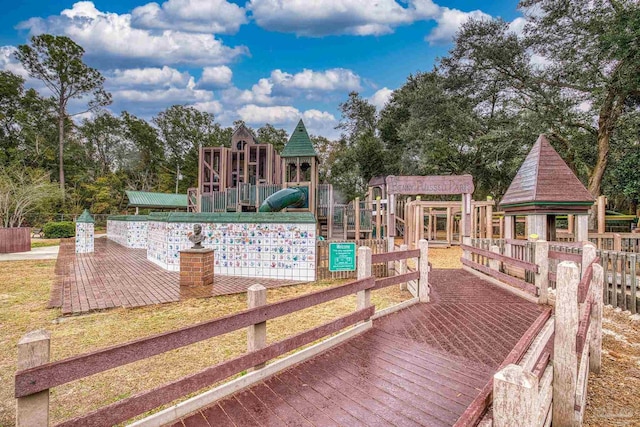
(41, 243)
(24, 292)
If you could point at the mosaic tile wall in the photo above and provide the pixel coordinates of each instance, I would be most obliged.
(131, 234)
(283, 251)
(84, 237)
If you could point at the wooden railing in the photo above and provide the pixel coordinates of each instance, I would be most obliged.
(529, 354)
(578, 339)
(37, 376)
(522, 274)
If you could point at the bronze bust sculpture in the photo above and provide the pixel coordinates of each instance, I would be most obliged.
(196, 237)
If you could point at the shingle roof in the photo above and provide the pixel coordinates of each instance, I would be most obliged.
(545, 177)
(299, 144)
(144, 199)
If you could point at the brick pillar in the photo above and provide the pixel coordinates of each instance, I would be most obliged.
(196, 267)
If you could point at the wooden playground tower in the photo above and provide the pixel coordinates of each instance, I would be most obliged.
(241, 178)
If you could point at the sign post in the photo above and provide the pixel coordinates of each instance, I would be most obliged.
(342, 257)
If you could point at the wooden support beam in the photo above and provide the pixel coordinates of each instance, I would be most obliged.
(515, 397)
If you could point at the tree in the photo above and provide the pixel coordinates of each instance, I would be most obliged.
(576, 64)
(184, 130)
(148, 153)
(268, 134)
(57, 62)
(23, 191)
(105, 142)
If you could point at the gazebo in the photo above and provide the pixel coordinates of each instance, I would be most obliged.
(543, 188)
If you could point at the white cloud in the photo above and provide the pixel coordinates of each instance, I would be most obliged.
(203, 16)
(449, 22)
(164, 97)
(380, 98)
(357, 17)
(154, 77)
(214, 107)
(259, 93)
(329, 80)
(215, 77)
(517, 26)
(110, 37)
(286, 116)
(8, 62)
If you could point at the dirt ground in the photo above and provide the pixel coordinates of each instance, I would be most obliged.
(613, 397)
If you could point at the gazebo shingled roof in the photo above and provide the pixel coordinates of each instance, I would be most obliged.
(545, 184)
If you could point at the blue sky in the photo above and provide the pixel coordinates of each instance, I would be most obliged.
(258, 60)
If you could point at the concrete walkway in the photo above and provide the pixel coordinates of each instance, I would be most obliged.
(47, 252)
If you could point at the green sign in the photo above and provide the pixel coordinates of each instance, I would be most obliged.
(342, 256)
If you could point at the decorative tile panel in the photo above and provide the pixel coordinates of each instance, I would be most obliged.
(130, 234)
(84, 237)
(270, 250)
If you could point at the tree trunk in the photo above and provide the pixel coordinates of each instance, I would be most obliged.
(61, 148)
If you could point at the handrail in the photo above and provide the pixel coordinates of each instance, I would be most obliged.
(394, 256)
(529, 266)
(513, 281)
(125, 409)
(478, 406)
(53, 374)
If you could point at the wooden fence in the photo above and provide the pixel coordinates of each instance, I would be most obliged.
(37, 375)
(529, 390)
(16, 239)
(621, 269)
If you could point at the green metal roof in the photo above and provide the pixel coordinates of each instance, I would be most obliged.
(144, 199)
(130, 218)
(234, 217)
(299, 144)
(85, 217)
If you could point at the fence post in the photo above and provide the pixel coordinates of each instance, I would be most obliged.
(515, 397)
(588, 255)
(466, 240)
(33, 350)
(403, 268)
(595, 346)
(541, 278)
(423, 267)
(364, 271)
(509, 227)
(565, 359)
(256, 334)
(494, 264)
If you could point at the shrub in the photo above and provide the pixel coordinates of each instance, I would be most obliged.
(56, 230)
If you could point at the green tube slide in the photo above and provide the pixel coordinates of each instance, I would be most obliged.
(292, 197)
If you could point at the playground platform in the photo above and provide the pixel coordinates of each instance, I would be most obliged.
(115, 276)
(421, 366)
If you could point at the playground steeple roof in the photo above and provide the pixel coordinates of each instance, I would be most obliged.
(299, 144)
(544, 183)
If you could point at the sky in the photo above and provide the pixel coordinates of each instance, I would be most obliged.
(262, 61)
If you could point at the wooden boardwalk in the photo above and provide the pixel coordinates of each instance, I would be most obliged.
(421, 366)
(115, 276)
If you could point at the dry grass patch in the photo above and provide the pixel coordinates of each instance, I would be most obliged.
(613, 397)
(24, 293)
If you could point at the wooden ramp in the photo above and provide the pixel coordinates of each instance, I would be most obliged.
(422, 366)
